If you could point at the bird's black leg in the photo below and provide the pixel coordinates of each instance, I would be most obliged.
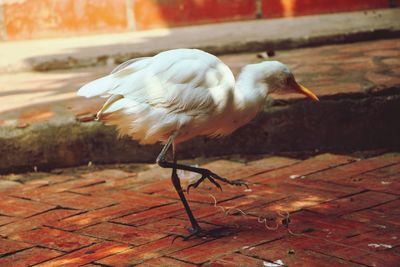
(205, 173)
(177, 184)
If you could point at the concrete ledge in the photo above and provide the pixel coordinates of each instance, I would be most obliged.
(340, 123)
(283, 33)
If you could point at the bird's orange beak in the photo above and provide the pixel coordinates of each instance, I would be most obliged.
(306, 92)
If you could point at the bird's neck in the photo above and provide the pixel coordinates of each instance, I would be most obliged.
(250, 93)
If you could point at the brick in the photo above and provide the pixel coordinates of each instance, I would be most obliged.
(384, 53)
(165, 262)
(261, 166)
(277, 8)
(335, 189)
(54, 239)
(29, 257)
(371, 242)
(328, 228)
(77, 201)
(109, 174)
(87, 255)
(376, 218)
(174, 226)
(386, 171)
(35, 221)
(311, 258)
(8, 185)
(148, 251)
(306, 167)
(362, 66)
(93, 217)
(391, 208)
(154, 173)
(297, 197)
(236, 259)
(5, 220)
(375, 45)
(321, 68)
(223, 168)
(384, 80)
(158, 13)
(295, 251)
(17, 207)
(391, 61)
(274, 162)
(155, 187)
(224, 246)
(9, 246)
(47, 18)
(356, 168)
(37, 193)
(388, 184)
(41, 114)
(122, 233)
(353, 203)
(150, 215)
(51, 179)
(107, 186)
(200, 211)
(134, 198)
(381, 258)
(291, 204)
(203, 192)
(279, 249)
(338, 88)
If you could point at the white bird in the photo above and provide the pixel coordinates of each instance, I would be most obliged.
(182, 93)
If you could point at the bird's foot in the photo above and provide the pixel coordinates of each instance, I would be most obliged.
(212, 177)
(201, 233)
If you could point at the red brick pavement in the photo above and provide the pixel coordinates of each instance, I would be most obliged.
(344, 211)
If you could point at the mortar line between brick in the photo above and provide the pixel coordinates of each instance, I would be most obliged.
(72, 251)
(49, 259)
(180, 260)
(336, 257)
(270, 170)
(370, 207)
(335, 182)
(17, 251)
(260, 244)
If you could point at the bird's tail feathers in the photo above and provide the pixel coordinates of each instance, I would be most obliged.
(97, 87)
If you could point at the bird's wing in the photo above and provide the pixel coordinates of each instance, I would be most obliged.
(103, 86)
(126, 64)
(177, 81)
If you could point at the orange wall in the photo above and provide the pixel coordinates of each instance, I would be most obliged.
(27, 19)
(281, 8)
(49, 18)
(161, 13)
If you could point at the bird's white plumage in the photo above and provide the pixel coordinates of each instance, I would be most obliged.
(186, 91)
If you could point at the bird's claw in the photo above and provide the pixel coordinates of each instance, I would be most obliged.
(212, 177)
(193, 232)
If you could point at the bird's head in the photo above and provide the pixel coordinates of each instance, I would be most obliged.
(279, 79)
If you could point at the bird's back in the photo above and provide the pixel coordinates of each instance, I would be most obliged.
(178, 90)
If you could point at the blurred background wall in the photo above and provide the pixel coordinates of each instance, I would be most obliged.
(30, 19)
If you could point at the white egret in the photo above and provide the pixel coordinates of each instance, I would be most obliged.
(182, 93)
